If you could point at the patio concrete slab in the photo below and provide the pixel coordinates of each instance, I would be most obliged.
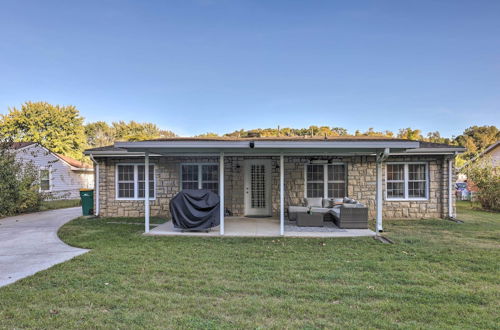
(29, 243)
(261, 227)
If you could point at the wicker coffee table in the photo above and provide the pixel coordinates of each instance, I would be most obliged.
(310, 219)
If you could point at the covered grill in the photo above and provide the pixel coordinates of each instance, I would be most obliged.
(195, 209)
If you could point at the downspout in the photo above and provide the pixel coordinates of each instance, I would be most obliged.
(379, 192)
(96, 188)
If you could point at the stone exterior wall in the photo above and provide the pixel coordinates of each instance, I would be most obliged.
(361, 181)
(362, 186)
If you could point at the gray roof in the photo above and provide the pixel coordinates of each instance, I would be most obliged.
(106, 148)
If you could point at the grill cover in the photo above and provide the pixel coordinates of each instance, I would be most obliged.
(195, 209)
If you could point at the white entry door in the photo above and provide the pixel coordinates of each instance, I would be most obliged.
(257, 188)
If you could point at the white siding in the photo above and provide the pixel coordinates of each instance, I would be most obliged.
(65, 183)
(495, 156)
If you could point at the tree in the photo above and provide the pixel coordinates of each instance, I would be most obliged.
(478, 138)
(372, 132)
(19, 189)
(134, 131)
(58, 128)
(168, 134)
(340, 131)
(99, 134)
(287, 131)
(410, 134)
(207, 135)
(435, 137)
(486, 178)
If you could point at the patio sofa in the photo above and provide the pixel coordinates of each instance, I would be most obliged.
(316, 205)
(348, 214)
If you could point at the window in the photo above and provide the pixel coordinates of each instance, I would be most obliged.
(407, 181)
(417, 181)
(142, 181)
(44, 180)
(325, 180)
(395, 181)
(200, 176)
(315, 180)
(131, 183)
(336, 181)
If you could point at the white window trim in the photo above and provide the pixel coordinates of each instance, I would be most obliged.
(325, 178)
(405, 182)
(136, 182)
(200, 176)
(45, 168)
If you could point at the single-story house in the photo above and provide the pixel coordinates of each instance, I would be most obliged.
(61, 177)
(260, 177)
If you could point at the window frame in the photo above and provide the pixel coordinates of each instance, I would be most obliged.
(325, 178)
(48, 169)
(406, 182)
(136, 182)
(200, 174)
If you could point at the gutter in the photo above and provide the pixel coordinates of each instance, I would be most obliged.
(96, 188)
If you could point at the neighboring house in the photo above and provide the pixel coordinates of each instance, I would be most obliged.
(61, 177)
(261, 177)
(491, 154)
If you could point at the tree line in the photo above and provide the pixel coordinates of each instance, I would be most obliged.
(62, 130)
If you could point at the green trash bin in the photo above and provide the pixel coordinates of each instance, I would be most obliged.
(87, 197)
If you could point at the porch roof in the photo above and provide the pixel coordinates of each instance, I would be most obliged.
(272, 146)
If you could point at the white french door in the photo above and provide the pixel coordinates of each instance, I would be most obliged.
(257, 187)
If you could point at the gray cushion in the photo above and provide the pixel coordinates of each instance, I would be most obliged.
(295, 209)
(327, 202)
(350, 205)
(314, 202)
(320, 209)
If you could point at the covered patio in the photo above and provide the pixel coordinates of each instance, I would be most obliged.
(280, 149)
(257, 178)
(262, 227)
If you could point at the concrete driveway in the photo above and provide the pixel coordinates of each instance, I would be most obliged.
(29, 243)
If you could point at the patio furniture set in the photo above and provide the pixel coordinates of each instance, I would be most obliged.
(345, 212)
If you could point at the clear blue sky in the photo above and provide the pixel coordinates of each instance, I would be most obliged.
(194, 66)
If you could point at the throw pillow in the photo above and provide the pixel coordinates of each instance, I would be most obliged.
(314, 202)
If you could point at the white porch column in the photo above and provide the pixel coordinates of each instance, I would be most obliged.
(380, 202)
(450, 188)
(146, 192)
(282, 195)
(379, 197)
(221, 192)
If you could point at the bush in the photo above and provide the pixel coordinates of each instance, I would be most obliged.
(486, 178)
(19, 189)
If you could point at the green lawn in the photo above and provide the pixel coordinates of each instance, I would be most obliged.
(439, 274)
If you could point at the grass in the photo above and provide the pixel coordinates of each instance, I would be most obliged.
(59, 204)
(439, 274)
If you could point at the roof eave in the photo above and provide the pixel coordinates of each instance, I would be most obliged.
(436, 150)
(151, 145)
